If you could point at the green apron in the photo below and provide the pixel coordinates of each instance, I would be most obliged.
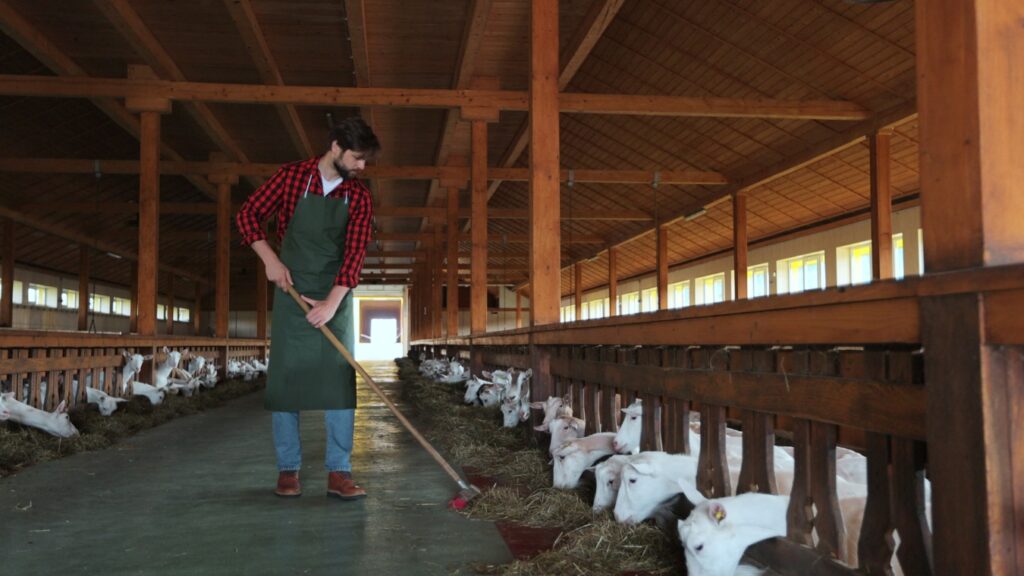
(306, 372)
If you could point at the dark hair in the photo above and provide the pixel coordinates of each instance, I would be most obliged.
(354, 134)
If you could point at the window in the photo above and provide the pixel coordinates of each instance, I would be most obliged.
(853, 263)
(41, 295)
(757, 281)
(801, 273)
(180, 314)
(18, 292)
(897, 257)
(121, 307)
(649, 300)
(629, 303)
(69, 298)
(679, 294)
(596, 308)
(710, 289)
(161, 312)
(920, 254)
(99, 303)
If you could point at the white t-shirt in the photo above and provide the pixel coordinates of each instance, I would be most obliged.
(330, 185)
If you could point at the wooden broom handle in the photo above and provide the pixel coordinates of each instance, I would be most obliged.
(373, 385)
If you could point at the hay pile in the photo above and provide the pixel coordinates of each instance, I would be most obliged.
(589, 544)
(22, 446)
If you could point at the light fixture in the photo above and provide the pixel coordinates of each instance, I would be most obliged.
(695, 214)
(114, 256)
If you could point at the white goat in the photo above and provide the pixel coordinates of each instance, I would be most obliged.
(106, 403)
(627, 439)
(575, 456)
(56, 423)
(718, 531)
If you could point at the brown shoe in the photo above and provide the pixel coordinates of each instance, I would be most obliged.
(288, 484)
(340, 485)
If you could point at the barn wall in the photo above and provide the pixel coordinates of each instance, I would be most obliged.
(906, 222)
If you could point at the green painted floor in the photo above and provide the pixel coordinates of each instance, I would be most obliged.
(194, 496)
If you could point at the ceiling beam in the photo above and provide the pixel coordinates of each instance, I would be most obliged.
(578, 176)
(623, 104)
(102, 245)
(252, 36)
(33, 41)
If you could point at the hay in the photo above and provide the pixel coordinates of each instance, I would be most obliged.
(548, 507)
(22, 446)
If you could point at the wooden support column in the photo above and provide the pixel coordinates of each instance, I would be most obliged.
(881, 206)
(133, 320)
(545, 204)
(519, 309)
(662, 262)
(83, 287)
(149, 110)
(169, 307)
(613, 281)
(222, 305)
(436, 267)
(739, 242)
(453, 262)
(577, 295)
(197, 322)
(478, 290)
(969, 92)
(261, 299)
(7, 300)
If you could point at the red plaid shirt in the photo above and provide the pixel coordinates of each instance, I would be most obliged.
(281, 193)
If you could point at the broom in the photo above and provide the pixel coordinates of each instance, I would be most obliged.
(468, 491)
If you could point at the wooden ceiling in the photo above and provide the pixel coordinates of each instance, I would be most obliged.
(861, 53)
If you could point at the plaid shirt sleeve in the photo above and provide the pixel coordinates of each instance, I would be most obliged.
(360, 217)
(266, 200)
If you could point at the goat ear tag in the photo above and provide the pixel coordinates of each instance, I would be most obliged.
(717, 512)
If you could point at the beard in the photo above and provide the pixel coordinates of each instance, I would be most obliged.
(346, 174)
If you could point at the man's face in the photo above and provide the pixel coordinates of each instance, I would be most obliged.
(348, 163)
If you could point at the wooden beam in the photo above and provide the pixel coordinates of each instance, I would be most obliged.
(613, 282)
(7, 275)
(133, 319)
(252, 37)
(972, 195)
(545, 246)
(436, 272)
(83, 287)
(661, 260)
(519, 309)
(261, 299)
(739, 245)
(149, 221)
(32, 40)
(169, 306)
(478, 186)
(577, 299)
(881, 205)
(223, 295)
(512, 238)
(453, 259)
(612, 104)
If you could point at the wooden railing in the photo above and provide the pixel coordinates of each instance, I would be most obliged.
(837, 367)
(58, 358)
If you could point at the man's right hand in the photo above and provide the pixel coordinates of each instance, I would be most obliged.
(278, 273)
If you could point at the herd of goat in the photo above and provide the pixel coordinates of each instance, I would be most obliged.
(660, 486)
(169, 379)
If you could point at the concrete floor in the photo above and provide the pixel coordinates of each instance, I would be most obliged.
(194, 496)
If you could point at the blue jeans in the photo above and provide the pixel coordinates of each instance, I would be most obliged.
(340, 428)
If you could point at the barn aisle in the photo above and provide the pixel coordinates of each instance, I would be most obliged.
(194, 496)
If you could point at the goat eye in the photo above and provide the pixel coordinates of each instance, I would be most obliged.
(632, 480)
(700, 547)
(561, 457)
(633, 418)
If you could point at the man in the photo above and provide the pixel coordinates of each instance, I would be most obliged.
(323, 225)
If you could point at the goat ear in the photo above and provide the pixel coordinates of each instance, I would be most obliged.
(166, 350)
(642, 468)
(567, 400)
(540, 428)
(717, 512)
(537, 405)
(62, 408)
(147, 357)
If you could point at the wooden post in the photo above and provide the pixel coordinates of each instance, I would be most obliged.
(881, 206)
(453, 262)
(197, 325)
(261, 299)
(577, 273)
(170, 303)
(519, 309)
(613, 282)
(149, 110)
(478, 289)
(222, 306)
(436, 269)
(969, 91)
(662, 262)
(7, 300)
(133, 321)
(739, 241)
(545, 172)
(83, 287)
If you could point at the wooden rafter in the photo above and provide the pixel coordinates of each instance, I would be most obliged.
(32, 40)
(615, 104)
(252, 36)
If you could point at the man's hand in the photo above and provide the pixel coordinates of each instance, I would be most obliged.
(277, 272)
(323, 310)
